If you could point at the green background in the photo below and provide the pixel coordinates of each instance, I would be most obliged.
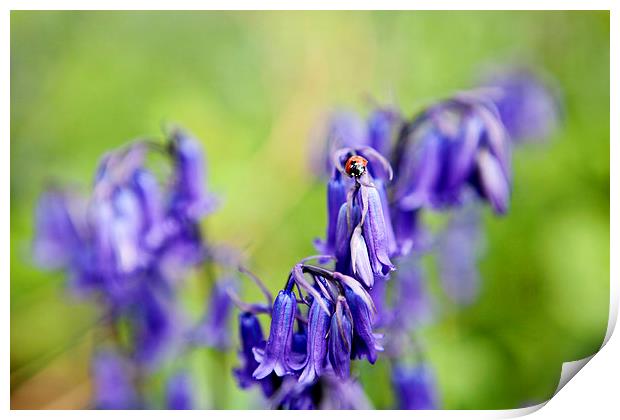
(252, 87)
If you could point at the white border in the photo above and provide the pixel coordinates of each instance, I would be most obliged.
(593, 394)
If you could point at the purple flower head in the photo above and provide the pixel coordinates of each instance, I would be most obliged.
(415, 387)
(382, 125)
(458, 249)
(336, 197)
(277, 353)
(179, 392)
(189, 197)
(453, 146)
(528, 104)
(375, 231)
(213, 331)
(360, 261)
(113, 383)
(58, 239)
(365, 342)
(318, 326)
(251, 335)
(340, 339)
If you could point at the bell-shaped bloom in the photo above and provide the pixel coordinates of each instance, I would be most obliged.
(374, 231)
(113, 382)
(276, 355)
(382, 126)
(318, 326)
(179, 394)
(340, 340)
(57, 240)
(415, 387)
(336, 197)
(365, 342)
(528, 103)
(453, 147)
(348, 218)
(360, 262)
(189, 196)
(213, 330)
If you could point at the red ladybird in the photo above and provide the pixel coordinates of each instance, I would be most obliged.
(355, 166)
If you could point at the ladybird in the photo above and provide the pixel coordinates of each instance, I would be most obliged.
(355, 166)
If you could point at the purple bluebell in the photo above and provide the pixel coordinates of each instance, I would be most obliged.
(360, 261)
(179, 394)
(415, 387)
(375, 232)
(113, 382)
(454, 146)
(365, 341)
(189, 196)
(528, 103)
(340, 340)
(382, 124)
(213, 330)
(277, 352)
(251, 336)
(318, 326)
(459, 246)
(336, 197)
(58, 238)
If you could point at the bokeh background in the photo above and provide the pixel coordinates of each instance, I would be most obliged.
(253, 86)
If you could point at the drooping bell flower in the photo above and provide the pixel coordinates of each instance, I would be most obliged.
(113, 382)
(213, 330)
(251, 336)
(360, 261)
(528, 103)
(374, 231)
(276, 355)
(340, 340)
(179, 392)
(57, 232)
(318, 326)
(336, 197)
(415, 387)
(382, 124)
(365, 342)
(189, 196)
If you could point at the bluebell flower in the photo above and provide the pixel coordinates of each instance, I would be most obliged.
(340, 340)
(454, 146)
(415, 387)
(365, 341)
(213, 330)
(528, 103)
(375, 232)
(318, 326)
(189, 196)
(277, 352)
(382, 126)
(113, 382)
(336, 197)
(179, 392)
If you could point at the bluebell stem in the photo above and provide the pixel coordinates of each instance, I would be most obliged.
(113, 382)
(415, 387)
(179, 392)
(527, 102)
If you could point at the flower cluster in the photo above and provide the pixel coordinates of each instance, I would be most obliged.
(129, 245)
(315, 333)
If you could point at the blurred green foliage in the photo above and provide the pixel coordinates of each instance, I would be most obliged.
(253, 87)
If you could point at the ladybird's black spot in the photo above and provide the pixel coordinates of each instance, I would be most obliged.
(357, 169)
